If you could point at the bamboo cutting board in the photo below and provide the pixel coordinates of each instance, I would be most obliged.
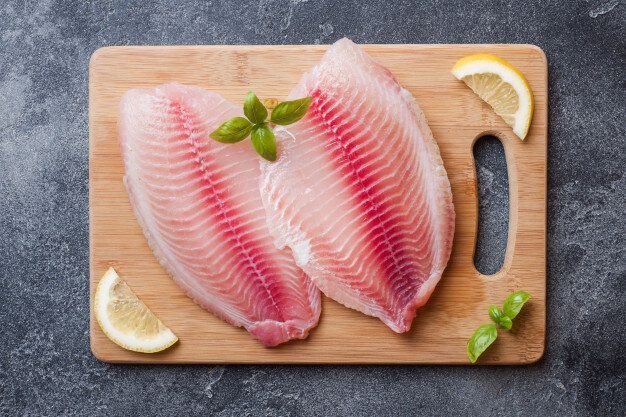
(457, 118)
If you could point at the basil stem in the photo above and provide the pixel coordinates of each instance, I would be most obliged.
(505, 322)
(498, 316)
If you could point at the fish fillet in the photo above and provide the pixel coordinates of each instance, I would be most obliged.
(359, 191)
(199, 205)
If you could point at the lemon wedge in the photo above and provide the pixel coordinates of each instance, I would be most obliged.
(501, 85)
(126, 320)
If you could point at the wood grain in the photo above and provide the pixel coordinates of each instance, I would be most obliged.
(457, 118)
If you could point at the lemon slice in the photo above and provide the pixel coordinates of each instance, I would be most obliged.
(126, 320)
(501, 85)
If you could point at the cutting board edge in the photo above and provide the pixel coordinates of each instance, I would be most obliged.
(102, 53)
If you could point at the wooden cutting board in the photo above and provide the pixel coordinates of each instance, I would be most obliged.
(457, 118)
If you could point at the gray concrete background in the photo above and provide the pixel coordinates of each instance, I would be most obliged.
(46, 367)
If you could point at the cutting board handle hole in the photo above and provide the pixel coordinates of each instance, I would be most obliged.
(492, 183)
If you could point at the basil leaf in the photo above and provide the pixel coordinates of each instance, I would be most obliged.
(289, 112)
(232, 131)
(495, 313)
(264, 141)
(514, 303)
(480, 341)
(254, 110)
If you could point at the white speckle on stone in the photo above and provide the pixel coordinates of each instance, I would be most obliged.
(215, 375)
(603, 8)
(327, 29)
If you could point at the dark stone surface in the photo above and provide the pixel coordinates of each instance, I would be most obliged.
(46, 367)
(493, 205)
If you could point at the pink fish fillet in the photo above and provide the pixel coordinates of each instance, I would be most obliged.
(359, 191)
(199, 205)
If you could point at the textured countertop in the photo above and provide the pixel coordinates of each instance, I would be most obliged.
(46, 367)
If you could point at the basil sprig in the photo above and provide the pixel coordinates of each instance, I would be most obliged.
(255, 123)
(486, 334)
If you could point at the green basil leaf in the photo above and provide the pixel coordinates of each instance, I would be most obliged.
(232, 131)
(495, 313)
(254, 110)
(264, 141)
(514, 303)
(289, 112)
(482, 338)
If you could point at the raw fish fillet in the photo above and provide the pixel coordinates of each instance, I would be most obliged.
(359, 191)
(199, 205)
